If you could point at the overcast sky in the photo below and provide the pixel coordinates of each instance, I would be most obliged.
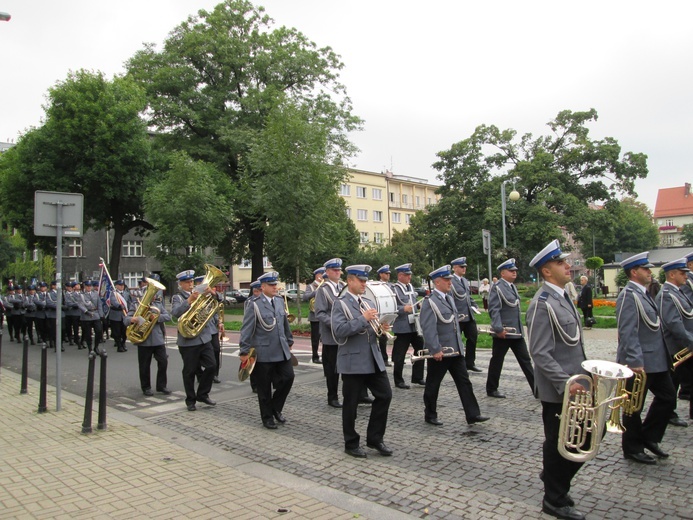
(422, 75)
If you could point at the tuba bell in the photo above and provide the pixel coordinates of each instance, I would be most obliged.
(146, 315)
(191, 323)
(583, 416)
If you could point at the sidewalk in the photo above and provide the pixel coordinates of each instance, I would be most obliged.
(130, 470)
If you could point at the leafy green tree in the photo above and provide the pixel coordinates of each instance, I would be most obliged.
(557, 175)
(212, 89)
(189, 208)
(92, 142)
(8, 253)
(687, 235)
(621, 278)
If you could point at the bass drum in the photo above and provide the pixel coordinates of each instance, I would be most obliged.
(383, 297)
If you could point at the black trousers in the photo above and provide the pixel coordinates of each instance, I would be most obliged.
(118, 332)
(15, 323)
(499, 350)
(28, 327)
(72, 328)
(50, 331)
(278, 375)
(144, 358)
(41, 329)
(683, 379)
(558, 472)
(315, 338)
(329, 368)
(216, 347)
(399, 352)
(434, 376)
(382, 343)
(87, 327)
(586, 314)
(353, 386)
(471, 334)
(652, 428)
(197, 357)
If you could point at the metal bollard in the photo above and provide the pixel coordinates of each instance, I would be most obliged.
(101, 425)
(25, 366)
(89, 399)
(42, 408)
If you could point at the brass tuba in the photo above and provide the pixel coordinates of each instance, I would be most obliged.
(146, 315)
(632, 401)
(583, 417)
(191, 323)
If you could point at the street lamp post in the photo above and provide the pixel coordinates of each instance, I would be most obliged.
(514, 195)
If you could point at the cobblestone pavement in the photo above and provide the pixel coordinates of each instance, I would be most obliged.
(455, 471)
(488, 470)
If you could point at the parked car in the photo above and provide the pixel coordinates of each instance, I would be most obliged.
(292, 295)
(245, 292)
(422, 291)
(236, 296)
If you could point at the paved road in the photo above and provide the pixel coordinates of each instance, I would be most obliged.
(455, 471)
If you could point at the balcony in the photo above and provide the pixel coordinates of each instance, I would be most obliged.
(670, 229)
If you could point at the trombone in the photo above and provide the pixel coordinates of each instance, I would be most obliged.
(375, 322)
(424, 354)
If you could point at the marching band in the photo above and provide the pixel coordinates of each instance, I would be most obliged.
(352, 320)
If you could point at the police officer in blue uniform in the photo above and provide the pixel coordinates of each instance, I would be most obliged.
(360, 363)
(266, 328)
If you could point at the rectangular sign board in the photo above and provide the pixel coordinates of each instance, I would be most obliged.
(46, 205)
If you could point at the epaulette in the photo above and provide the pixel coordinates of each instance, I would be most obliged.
(544, 296)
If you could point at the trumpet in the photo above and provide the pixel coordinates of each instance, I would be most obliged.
(424, 354)
(311, 304)
(681, 356)
(375, 322)
(290, 317)
(511, 332)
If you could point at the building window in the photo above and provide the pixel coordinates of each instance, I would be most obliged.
(407, 218)
(405, 199)
(377, 194)
(348, 212)
(345, 191)
(392, 196)
(377, 216)
(418, 201)
(429, 201)
(131, 279)
(364, 237)
(132, 248)
(74, 248)
(396, 217)
(245, 264)
(361, 192)
(362, 214)
(670, 222)
(378, 238)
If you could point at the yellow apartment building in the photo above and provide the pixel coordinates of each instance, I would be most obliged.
(381, 203)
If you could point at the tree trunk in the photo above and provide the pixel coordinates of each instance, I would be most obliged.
(298, 292)
(116, 247)
(257, 249)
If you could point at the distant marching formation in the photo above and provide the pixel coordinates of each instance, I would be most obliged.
(355, 318)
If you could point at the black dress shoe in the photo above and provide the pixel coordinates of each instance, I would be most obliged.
(279, 417)
(148, 392)
(474, 369)
(269, 424)
(366, 400)
(381, 447)
(403, 386)
(317, 361)
(677, 421)
(216, 380)
(421, 382)
(334, 403)
(496, 394)
(477, 419)
(192, 407)
(568, 512)
(654, 448)
(642, 458)
(357, 452)
(164, 391)
(434, 421)
(388, 364)
(207, 401)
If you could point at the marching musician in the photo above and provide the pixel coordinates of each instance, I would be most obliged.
(466, 308)
(51, 314)
(153, 345)
(17, 311)
(196, 352)
(91, 310)
(214, 329)
(72, 313)
(504, 310)
(324, 299)
(360, 363)
(404, 329)
(30, 316)
(687, 289)
(384, 276)
(308, 295)
(115, 315)
(40, 316)
(266, 328)
(641, 348)
(440, 324)
(255, 292)
(556, 343)
(676, 311)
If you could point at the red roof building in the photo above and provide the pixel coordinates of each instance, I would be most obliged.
(673, 210)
